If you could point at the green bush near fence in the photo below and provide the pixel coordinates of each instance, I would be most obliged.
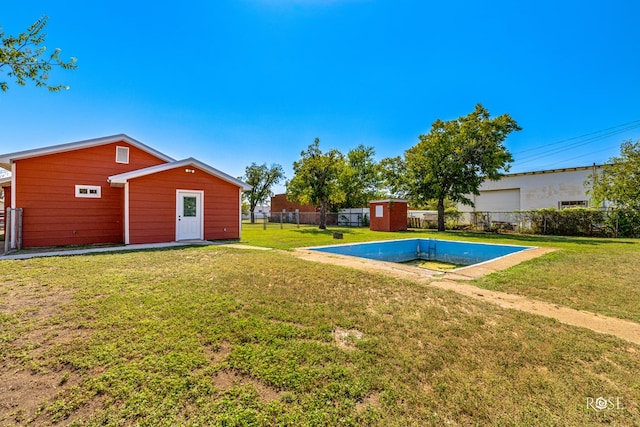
(585, 222)
(569, 222)
(626, 222)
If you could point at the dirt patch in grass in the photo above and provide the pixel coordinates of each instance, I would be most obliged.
(84, 412)
(23, 392)
(217, 355)
(372, 400)
(346, 338)
(39, 301)
(225, 380)
(30, 331)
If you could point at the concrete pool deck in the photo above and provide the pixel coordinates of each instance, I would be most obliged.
(451, 281)
(416, 273)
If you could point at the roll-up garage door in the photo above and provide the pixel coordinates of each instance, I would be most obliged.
(498, 200)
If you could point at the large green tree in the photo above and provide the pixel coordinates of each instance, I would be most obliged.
(619, 181)
(456, 157)
(261, 178)
(360, 178)
(315, 179)
(23, 58)
(393, 173)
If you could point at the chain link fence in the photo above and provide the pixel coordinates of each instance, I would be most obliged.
(345, 218)
(566, 222)
(291, 220)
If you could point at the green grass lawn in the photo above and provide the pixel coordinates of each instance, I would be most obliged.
(215, 336)
(598, 275)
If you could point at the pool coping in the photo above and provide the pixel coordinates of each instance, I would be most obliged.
(468, 272)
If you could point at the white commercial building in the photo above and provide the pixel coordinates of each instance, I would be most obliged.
(261, 212)
(554, 188)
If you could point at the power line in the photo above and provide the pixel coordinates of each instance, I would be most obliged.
(595, 136)
(634, 124)
(577, 157)
(527, 159)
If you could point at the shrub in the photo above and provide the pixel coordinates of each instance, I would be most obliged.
(625, 221)
(569, 222)
(451, 218)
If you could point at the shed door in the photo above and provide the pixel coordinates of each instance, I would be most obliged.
(189, 221)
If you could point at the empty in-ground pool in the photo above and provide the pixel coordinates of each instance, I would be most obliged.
(448, 251)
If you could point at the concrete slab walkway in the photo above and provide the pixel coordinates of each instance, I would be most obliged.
(102, 249)
(625, 329)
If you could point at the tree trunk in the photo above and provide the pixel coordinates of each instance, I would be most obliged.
(323, 216)
(440, 214)
(253, 217)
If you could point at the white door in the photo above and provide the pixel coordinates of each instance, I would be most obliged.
(189, 215)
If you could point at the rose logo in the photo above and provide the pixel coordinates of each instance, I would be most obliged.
(601, 403)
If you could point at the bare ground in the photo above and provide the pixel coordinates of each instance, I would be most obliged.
(25, 385)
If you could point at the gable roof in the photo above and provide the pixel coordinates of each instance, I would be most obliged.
(6, 159)
(123, 178)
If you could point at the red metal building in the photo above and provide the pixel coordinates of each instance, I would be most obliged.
(280, 203)
(388, 215)
(118, 190)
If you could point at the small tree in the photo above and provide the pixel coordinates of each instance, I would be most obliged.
(315, 179)
(22, 58)
(456, 157)
(261, 178)
(619, 182)
(245, 208)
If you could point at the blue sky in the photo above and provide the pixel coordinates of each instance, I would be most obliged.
(240, 81)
